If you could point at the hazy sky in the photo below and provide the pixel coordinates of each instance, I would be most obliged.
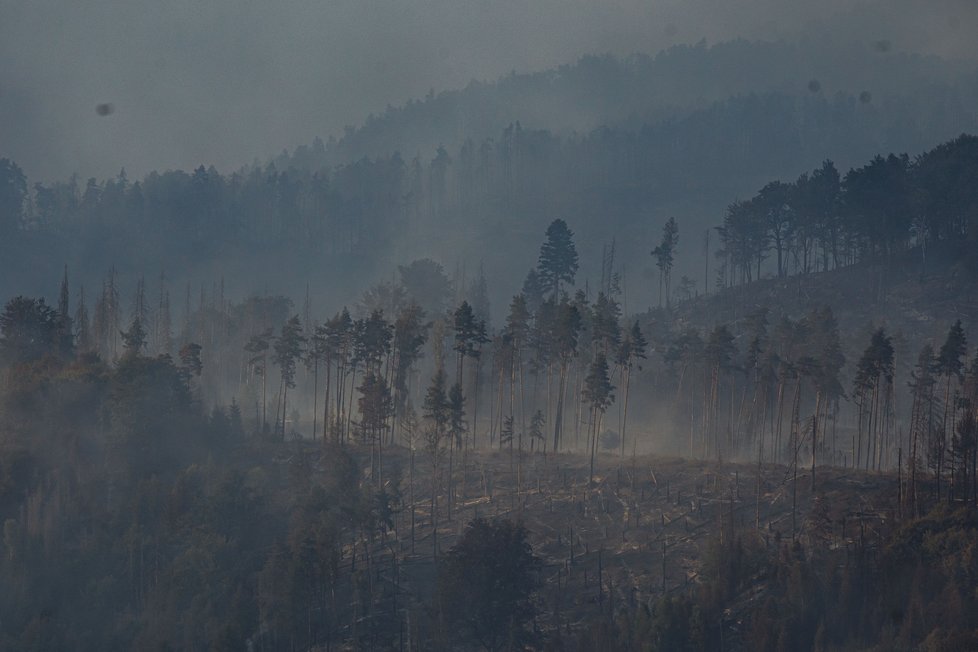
(225, 81)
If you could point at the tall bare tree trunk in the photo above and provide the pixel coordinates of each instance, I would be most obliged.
(626, 377)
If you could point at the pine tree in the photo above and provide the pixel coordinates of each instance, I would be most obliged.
(664, 255)
(633, 347)
(563, 340)
(410, 335)
(134, 339)
(287, 351)
(257, 347)
(873, 388)
(436, 406)
(375, 407)
(558, 258)
(598, 395)
(537, 422)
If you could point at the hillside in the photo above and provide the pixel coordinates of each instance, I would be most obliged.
(607, 91)
(911, 299)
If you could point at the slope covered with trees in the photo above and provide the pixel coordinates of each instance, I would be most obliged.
(335, 458)
(346, 212)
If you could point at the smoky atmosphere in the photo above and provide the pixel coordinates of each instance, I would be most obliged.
(537, 325)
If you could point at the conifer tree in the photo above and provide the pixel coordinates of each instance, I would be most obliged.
(563, 340)
(558, 258)
(410, 335)
(287, 351)
(257, 348)
(598, 395)
(134, 339)
(633, 348)
(664, 255)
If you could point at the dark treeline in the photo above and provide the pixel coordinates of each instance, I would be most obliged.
(823, 221)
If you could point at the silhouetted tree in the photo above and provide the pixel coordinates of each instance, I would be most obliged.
(31, 329)
(558, 258)
(287, 352)
(486, 584)
(665, 255)
(598, 395)
(257, 348)
(134, 339)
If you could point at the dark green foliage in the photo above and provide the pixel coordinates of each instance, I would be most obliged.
(485, 585)
(373, 340)
(29, 330)
(633, 347)
(436, 405)
(558, 258)
(597, 385)
(950, 360)
(506, 434)
(147, 402)
(134, 339)
(288, 349)
(665, 255)
(878, 200)
(876, 364)
(376, 406)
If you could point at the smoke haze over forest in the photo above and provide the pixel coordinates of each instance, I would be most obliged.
(225, 82)
(540, 325)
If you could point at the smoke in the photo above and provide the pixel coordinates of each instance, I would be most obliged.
(226, 81)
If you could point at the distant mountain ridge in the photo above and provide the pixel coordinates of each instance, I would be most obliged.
(603, 90)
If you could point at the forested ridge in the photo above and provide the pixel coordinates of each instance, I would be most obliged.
(182, 469)
(656, 353)
(678, 134)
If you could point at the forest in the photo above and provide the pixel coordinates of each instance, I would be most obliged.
(679, 134)
(186, 469)
(651, 326)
